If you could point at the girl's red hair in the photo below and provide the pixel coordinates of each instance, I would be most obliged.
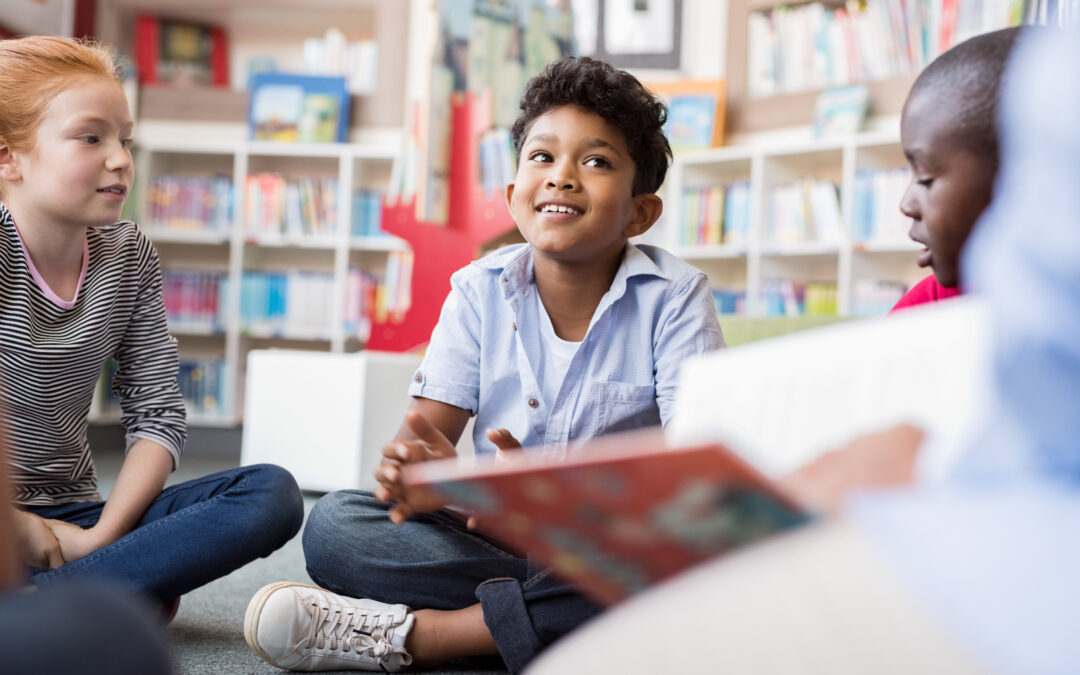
(35, 69)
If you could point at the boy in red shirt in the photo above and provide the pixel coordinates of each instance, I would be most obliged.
(948, 134)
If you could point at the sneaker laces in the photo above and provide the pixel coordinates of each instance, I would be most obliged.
(366, 633)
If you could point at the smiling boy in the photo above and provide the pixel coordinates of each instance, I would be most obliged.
(947, 131)
(575, 334)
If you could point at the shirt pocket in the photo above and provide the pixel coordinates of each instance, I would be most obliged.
(623, 406)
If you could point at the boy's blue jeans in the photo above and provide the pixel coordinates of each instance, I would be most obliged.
(191, 534)
(434, 562)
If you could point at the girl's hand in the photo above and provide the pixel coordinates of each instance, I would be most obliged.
(39, 546)
(75, 542)
(430, 443)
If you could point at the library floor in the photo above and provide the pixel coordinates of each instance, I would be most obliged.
(207, 633)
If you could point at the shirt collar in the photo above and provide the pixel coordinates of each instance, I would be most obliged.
(516, 263)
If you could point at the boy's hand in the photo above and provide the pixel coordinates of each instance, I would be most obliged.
(430, 443)
(38, 544)
(881, 459)
(508, 446)
(75, 542)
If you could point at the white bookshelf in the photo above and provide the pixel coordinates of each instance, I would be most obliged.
(235, 250)
(202, 132)
(765, 166)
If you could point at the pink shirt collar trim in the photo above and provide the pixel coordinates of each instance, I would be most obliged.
(53, 297)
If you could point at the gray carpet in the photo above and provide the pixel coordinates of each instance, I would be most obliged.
(207, 633)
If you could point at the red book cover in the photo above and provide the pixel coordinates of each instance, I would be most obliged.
(619, 513)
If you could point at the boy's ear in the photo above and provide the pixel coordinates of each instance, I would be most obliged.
(9, 165)
(646, 211)
(509, 196)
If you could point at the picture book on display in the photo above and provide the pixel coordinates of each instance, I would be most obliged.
(618, 513)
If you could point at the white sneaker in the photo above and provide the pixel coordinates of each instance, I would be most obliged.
(300, 627)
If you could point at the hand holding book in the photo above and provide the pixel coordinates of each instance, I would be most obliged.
(876, 460)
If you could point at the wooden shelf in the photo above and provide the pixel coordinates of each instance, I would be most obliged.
(746, 114)
(213, 104)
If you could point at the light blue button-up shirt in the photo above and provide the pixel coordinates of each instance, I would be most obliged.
(486, 353)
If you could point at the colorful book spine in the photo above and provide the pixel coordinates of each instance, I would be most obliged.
(786, 297)
(301, 207)
(193, 203)
(715, 215)
(803, 212)
(371, 299)
(193, 300)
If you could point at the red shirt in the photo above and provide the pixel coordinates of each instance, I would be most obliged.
(927, 290)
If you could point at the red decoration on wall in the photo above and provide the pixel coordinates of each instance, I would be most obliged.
(474, 218)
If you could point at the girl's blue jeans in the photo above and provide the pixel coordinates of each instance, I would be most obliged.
(191, 534)
(434, 562)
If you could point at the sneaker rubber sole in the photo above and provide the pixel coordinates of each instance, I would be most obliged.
(254, 611)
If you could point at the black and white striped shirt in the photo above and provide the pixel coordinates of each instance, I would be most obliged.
(51, 358)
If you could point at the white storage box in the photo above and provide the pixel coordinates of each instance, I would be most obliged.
(324, 417)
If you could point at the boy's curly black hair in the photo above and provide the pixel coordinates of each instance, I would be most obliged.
(613, 94)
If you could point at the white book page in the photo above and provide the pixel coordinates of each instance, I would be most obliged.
(782, 402)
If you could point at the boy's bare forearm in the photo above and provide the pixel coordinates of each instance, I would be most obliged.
(450, 420)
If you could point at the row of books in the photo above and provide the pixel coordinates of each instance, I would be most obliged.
(373, 299)
(872, 297)
(286, 302)
(202, 384)
(334, 54)
(792, 48)
(194, 300)
(189, 203)
(276, 205)
(719, 214)
(780, 297)
(784, 297)
(877, 215)
(805, 211)
(302, 302)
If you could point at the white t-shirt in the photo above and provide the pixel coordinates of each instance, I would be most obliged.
(557, 354)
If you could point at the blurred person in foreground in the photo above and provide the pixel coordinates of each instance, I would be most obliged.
(976, 574)
(70, 627)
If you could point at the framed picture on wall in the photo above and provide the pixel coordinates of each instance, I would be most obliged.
(304, 108)
(630, 33)
(695, 112)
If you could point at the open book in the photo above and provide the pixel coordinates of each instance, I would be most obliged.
(621, 512)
